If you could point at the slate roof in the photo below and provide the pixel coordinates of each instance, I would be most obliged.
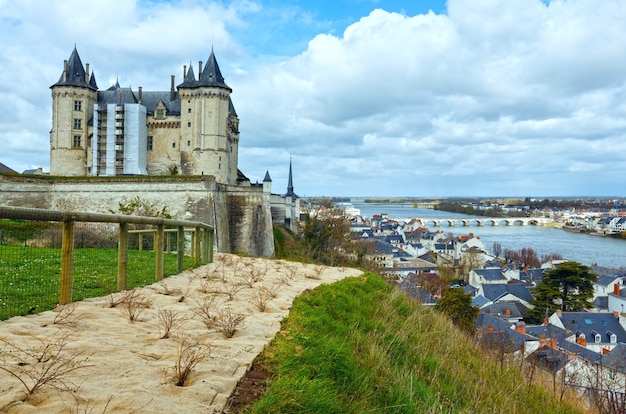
(490, 274)
(499, 309)
(616, 358)
(550, 358)
(497, 291)
(211, 76)
(503, 331)
(4, 168)
(532, 275)
(417, 292)
(590, 323)
(75, 74)
(480, 301)
(606, 280)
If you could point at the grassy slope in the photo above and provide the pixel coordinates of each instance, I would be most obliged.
(360, 346)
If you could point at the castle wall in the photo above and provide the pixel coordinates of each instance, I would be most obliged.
(241, 217)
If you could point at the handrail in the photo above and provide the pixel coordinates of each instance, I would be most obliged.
(24, 213)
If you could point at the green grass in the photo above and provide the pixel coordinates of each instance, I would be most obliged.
(360, 346)
(30, 276)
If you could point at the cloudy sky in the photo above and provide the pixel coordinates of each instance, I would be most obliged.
(367, 97)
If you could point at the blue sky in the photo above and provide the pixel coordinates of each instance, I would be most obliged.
(387, 98)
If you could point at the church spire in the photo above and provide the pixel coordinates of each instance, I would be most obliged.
(290, 192)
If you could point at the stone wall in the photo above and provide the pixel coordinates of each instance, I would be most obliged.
(241, 216)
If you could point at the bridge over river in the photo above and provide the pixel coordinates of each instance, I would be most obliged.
(478, 221)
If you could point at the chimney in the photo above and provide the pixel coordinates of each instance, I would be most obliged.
(551, 343)
(606, 350)
(520, 327)
(616, 314)
(581, 341)
(87, 73)
(199, 69)
(65, 70)
(172, 91)
(507, 312)
(616, 289)
(490, 329)
(559, 313)
(140, 93)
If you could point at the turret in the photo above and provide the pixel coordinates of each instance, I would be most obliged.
(73, 97)
(209, 120)
(267, 183)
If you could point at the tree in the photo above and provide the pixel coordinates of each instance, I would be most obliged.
(458, 306)
(497, 249)
(325, 238)
(568, 287)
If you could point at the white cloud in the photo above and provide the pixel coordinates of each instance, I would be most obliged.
(494, 97)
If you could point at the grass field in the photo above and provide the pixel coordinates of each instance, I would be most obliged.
(30, 276)
(360, 346)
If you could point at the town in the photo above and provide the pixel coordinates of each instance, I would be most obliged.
(584, 349)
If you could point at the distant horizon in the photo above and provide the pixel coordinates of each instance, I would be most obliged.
(621, 198)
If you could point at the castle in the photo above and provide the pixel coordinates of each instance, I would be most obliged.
(176, 148)
(192, 129)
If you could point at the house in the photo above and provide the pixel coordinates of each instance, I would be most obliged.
(616, 300)
(491, 275)
(506, 292)
(598, 331)
(497, 333)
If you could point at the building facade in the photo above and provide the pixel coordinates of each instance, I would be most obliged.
(192, 129)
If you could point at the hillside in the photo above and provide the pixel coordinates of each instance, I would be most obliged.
(359, 345)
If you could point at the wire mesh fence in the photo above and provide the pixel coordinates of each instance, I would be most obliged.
(40, 268)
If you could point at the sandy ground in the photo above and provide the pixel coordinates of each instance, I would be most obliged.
(124, 366)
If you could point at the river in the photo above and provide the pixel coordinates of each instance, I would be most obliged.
(582, 248)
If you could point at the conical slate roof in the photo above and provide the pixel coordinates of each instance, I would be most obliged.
(75, 74)
(211, 74)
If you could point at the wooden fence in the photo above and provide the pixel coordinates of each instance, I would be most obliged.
(202, 239)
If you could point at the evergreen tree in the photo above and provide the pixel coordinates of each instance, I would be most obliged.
(458, 306)
(568, 287)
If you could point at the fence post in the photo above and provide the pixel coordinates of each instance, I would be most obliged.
(198, 249)
(210, 241)
(67, 263)
(122, 257)
(180, 249)
(205, 246)
(140, 240)
(158, 252)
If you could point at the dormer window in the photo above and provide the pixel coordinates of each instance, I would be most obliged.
(596, 337)
(612, 337)
(160, 113)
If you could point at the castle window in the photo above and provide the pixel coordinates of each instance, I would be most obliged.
(173, 145)
(160, 113)
(76, 142)
(189, 124)
(189, 143)
(188, 110)
(150, 142)
(78, 123)
(78, 105)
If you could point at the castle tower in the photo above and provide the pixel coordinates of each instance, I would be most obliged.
(73, 97)
(267, 183)
(209, 125)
